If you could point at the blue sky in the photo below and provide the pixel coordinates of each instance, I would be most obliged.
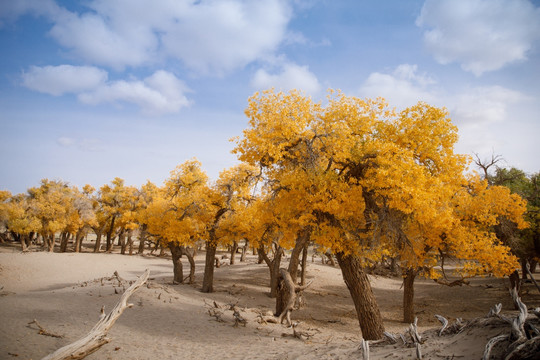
(96, 89)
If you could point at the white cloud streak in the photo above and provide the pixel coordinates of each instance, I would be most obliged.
(62, 79)
(481, 35)
(161, 93)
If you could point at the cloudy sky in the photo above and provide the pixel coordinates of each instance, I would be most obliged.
(96, 89)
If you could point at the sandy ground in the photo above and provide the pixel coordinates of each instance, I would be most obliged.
(65, 292)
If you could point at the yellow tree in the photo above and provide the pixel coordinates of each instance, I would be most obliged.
(20, 221)
(4, 198)
(230, 194)
(178, 212)
(364, 180)
(50, 204)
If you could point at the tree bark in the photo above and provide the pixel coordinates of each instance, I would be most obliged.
(50, 242)
(110, 240)
(122, 241)
(130, 241)
(98, 242)
(367, 310)
(142, 239)
(191, 264)
(301, 240)
(273, 267)
(244, 251)
(408, 295)
(234, 248)
(178, 269)
(304, 264)
(208, 279)
(64, 237)
(78, 241)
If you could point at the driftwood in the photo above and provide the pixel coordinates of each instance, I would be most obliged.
(97, 337)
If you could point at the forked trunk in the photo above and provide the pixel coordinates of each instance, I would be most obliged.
(301, 241)
(208, 279)
(408, 295)
(273, 267)
(367, 310)
(122, 241)
(178, 270)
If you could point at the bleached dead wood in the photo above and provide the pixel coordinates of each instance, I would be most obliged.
(97, 337)
(365, 349)
(444, 323)
(491, 343)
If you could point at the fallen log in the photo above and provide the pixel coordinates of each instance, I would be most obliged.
(97, 337)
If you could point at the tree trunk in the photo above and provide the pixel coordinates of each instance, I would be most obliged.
(367, 310)
(178, 269)
(191, 264)
(110, 240)
(523, 269)
(64, 237)
(78, 241)
(234, 248)
(22, 240)
(273, 267)
(122, 241)
(208, 279)
(50, 242)
(142, 239)
(130, 241)
(98, 242)
(408, 295)
(244, 251)
(304, 263)
(301, 241)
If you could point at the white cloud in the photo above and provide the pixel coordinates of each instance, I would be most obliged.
(292, 76)
(212, 36)
(402, 88)
(481, 35)
(58, 80)
(160, 93)
(405, 87)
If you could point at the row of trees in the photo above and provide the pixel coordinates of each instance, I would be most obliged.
(353, 177)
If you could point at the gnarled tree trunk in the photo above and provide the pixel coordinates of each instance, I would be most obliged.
(234, 248)
(367, 310)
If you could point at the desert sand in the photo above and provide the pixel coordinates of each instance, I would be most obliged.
(64, 293)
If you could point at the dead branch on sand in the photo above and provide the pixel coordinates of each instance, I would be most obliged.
(97, 337)
(43, 331)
